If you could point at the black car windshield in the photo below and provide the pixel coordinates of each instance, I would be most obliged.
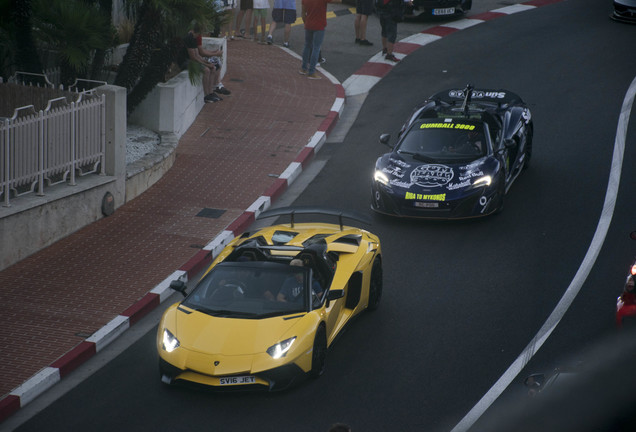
(252, 290)
(445, 139)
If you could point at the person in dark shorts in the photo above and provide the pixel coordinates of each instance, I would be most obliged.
(283, 13)
(245, 10)
(364, 8)
(390, 13)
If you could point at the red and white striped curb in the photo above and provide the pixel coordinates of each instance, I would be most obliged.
(51, 375)
(360, 82)
(377, 67)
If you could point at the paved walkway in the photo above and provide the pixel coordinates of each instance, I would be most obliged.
(60, 306)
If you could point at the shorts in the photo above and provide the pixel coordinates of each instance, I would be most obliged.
(364, 7)
(284, 16)
(247, 4)
(215, 61)
(389, 27)
(260, 13)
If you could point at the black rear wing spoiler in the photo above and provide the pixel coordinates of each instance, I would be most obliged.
(308, 210)
(470, 94)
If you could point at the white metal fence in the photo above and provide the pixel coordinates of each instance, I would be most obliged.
(51, 146)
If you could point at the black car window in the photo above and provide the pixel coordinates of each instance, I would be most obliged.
(445, 139)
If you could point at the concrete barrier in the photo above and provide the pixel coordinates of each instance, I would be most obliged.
(171, 107)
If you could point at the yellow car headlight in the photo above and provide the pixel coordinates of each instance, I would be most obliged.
(170, 342)
(280, 349)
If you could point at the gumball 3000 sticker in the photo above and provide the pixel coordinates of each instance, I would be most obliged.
(432, 175)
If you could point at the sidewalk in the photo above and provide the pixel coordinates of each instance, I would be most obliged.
(63, 304)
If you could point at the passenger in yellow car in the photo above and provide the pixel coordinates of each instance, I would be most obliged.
(293, 287)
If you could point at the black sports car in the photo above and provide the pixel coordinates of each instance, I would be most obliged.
(624, 11)
(456, 157)
(439, 8)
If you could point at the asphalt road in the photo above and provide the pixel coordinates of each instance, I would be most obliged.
(461, 300)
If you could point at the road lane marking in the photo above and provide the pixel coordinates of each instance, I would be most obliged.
(579, 278)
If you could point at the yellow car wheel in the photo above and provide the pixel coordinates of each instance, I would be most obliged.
(319, 354)
(375, 285)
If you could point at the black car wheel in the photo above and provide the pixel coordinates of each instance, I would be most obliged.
(375, 285)
(528, 150)
(501, 194)
(319, 354)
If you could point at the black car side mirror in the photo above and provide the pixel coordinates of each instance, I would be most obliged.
(335, 295)
(384, 139)
(178, 285)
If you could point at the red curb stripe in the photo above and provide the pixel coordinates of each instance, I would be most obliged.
(241, 223)
(142, 308)
(487, 16)
(340, 91)
(329, 122)
(276, 189)
(405, 47)
(9, 406)
(74, 358)
(196, 263)
(374, 69)
(440, 31)
(305, 156)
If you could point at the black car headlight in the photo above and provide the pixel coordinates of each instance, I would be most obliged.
(483, 181)
(169, 342)
(381, 178)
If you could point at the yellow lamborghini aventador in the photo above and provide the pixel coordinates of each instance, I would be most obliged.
(270, 305)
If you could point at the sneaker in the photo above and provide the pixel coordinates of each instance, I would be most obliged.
(270, 40)
(314, 76)
(358, 40)
(212, 97)
(222, 90)
(392, 58)
(383, 51)
(322, 60)
(365, 42)
(303, 71)
(286, 44)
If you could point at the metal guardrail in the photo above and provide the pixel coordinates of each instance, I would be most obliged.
(51, 146)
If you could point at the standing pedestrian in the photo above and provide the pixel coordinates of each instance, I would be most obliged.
(227, 30)
(314, 14)
(260, 14)
(244, 10)
(364, 8)
(283, 13)
(390, 13)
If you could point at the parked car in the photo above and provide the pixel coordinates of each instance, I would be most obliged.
(439, 8)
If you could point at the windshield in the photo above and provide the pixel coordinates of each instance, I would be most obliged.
(445, 139)
(252, 290)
